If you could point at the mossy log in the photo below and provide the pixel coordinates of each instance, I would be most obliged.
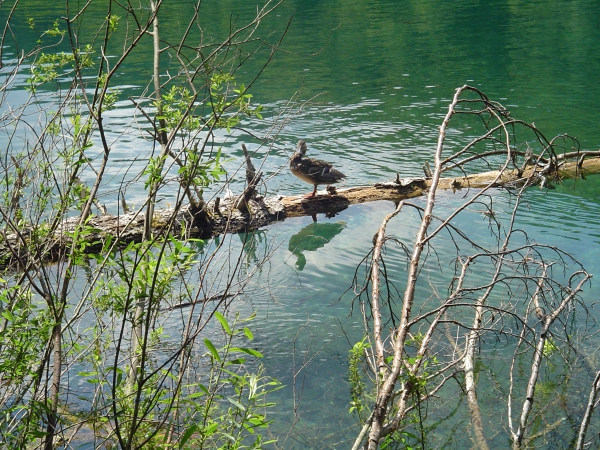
(225, 217)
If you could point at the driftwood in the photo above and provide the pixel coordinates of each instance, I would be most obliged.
(226, 216)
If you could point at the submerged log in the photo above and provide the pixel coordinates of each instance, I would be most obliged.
(226, 216)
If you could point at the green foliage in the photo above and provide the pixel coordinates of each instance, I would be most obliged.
(201, 173)
(400, 440)
(111, 96)
(113, 21)
(128, 275)
(81, 240)
(154, 170)
(55, 30)
(25, 328)
(228, 101)
(177, 107)
(228, 410)
(549, 348)
(356, 356)
(50, 66)
(226, 407)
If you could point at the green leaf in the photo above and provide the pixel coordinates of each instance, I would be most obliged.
(195, 395)
(210, 429)
(257, 422)
(249, 351)
(223, 321)
(8, 316)
(238, 361)
(248, 333)
(37, 433)
(228, 436)
(87, 374)
(236, 403)
(212, 349)
(188, 433)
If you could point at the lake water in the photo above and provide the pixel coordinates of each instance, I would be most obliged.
(378, 76)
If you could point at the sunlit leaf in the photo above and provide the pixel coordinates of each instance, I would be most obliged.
(211, 348)
(8, 316)
(223, 321)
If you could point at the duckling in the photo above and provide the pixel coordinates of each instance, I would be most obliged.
(313, 171)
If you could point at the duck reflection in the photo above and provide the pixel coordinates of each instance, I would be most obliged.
(312, 237)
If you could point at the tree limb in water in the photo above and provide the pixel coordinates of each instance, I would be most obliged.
(424, 338)
(227, 217)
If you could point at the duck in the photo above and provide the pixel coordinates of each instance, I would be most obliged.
(313, 171)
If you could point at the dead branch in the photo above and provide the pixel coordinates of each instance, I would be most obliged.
(509, 268)
(252, 181)
(589, 410)
(517, 436)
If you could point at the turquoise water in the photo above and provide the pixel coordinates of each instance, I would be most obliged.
(371, 81)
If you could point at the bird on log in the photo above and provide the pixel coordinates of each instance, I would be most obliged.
(313, 171)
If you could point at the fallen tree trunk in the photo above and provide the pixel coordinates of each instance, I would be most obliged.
(225, 217)
(401, 189)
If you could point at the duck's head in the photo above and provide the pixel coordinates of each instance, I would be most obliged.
(301, 147)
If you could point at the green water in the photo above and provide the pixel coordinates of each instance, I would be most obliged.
(379, 76)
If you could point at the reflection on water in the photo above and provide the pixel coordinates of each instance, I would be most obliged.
(307, 329)
(254, 245)
(311, 238)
